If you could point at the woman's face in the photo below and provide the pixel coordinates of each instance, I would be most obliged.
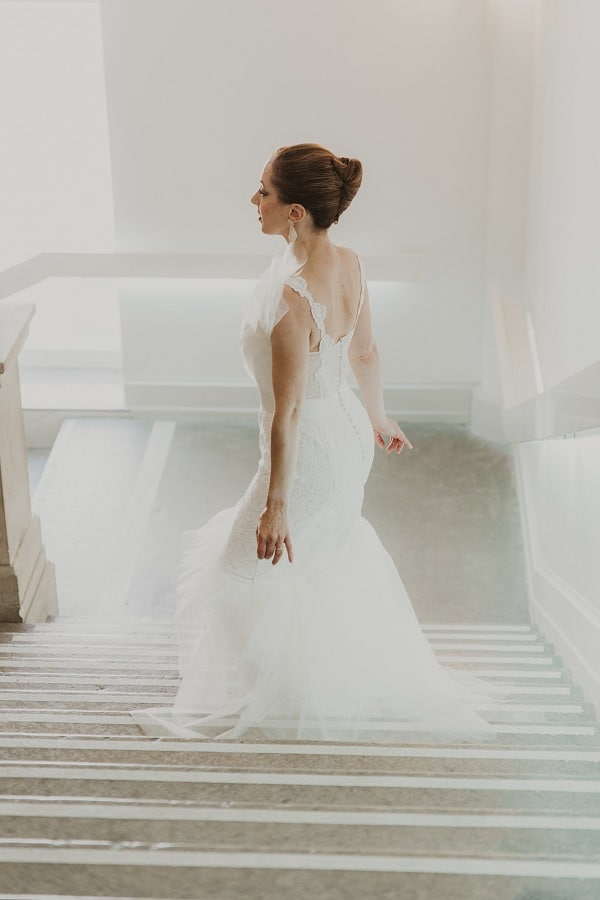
(272, 213)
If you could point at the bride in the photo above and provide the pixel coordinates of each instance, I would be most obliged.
(292, 620)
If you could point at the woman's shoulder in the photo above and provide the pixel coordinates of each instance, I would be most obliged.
(338, 258)
(346, 252)
(350, 259)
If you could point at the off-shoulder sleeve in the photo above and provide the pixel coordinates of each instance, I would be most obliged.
(268, 306)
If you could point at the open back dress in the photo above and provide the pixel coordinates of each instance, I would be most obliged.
(328, 647)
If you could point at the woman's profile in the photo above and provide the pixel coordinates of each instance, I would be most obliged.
(292, 619)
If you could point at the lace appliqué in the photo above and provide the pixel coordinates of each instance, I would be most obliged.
(318, 311)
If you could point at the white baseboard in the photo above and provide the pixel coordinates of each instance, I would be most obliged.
(568, 619)
(426, 403)
(574, 636)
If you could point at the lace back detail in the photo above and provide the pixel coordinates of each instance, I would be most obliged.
(317, 310)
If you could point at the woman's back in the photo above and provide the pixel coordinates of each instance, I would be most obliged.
(333, 280)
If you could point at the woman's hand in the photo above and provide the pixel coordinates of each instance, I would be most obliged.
(272, 534)
(398, 439)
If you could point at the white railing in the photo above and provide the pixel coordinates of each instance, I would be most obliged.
(405, 267)
(27, 583)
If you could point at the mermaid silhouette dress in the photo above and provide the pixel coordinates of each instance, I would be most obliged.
(328, 647)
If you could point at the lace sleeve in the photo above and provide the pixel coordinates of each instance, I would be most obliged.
(268, 306)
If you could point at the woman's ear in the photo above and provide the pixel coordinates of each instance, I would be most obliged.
(297, 213)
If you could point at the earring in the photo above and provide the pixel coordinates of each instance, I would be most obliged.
(292, 233)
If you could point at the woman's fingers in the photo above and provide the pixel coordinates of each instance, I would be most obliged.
(279, 550)
(397, 444)
(289, 548)
(277, 554)
(265, 546)
(273, 548)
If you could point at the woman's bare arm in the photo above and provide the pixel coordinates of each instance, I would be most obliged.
(364, 359)
(290, 346)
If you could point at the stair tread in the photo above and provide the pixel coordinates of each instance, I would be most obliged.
(105, 880)
(80, 779)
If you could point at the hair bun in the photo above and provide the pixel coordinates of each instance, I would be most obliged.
(350, 174)
(318, 179)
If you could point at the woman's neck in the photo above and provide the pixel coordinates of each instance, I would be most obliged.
(311, 241)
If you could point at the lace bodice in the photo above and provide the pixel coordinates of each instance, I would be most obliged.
(328, 366)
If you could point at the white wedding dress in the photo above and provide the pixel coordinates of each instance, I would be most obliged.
(328, 647)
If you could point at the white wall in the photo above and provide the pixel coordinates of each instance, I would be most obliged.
(510, 42)
(564, 227)
(542, 261)
(56, 179)
(560, 502)
(202, 93)
(54, 159)
(541, 315)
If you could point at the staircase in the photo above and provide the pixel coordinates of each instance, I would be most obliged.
(91, 807)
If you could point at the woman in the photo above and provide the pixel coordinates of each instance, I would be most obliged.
(325, 646)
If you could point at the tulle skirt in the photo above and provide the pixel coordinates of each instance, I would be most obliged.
(310, 653)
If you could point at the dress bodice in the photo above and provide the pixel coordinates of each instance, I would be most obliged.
(328, 366)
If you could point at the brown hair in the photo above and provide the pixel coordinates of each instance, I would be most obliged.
(308, 174)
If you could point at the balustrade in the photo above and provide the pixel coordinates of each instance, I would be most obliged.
(27, 582)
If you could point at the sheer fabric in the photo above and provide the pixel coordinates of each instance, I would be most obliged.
(329, 647)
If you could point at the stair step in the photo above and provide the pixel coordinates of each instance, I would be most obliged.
(140, 756)
(201, 753)
(117, 725)
(546, 660)
(550, 737)
(520, 638)
(32, 635)
(167, 685)
(503, 687)
(126, 649)
(537, 667)
(98, 700)
(343, 792)
(501, 865)
(199, 828)
(113, 712)
(49, 640)
(87, 798)
(87, 665)
(98, 655)
(124, 625)
(479, 647)
(110, 679)
(288, 877)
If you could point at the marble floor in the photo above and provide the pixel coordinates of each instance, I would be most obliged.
(447, 512)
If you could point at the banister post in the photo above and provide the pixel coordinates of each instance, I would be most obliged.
(27, 582)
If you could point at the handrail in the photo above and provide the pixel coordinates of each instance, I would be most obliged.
(27, 583)
(405, 267)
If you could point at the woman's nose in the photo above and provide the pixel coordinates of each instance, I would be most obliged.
(254, 199)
